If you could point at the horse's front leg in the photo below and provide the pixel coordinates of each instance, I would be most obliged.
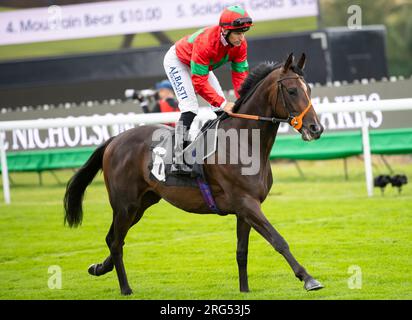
(242, 230)
(251, 212)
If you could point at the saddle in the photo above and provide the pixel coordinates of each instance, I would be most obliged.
(196, 152)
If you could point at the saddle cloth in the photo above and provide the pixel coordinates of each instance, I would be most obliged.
(196, 152)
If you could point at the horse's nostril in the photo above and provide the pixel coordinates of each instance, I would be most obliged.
(316, 129)
(321, 129)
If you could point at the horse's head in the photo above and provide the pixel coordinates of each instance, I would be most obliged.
(290, 99)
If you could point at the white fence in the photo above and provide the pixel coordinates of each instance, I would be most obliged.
(204, 114)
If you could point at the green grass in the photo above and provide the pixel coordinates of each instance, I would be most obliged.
(330, 225)
(101, 44)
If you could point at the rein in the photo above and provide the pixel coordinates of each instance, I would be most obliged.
(296, 121)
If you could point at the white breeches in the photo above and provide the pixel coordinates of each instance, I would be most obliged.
(180, 77)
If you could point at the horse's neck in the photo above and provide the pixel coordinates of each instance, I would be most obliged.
(257, 104)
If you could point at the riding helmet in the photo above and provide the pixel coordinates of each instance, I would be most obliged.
(235, 18)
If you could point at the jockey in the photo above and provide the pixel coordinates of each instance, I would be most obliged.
(189, 64)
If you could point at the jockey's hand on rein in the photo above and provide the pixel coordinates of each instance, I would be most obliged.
(228, 107)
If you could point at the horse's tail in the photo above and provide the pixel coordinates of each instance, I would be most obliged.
(77, 185)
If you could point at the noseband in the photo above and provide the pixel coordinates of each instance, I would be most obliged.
(295, 121)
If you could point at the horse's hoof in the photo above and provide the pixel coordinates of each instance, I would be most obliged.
(312, 284)
(127, 292)
(93, 269)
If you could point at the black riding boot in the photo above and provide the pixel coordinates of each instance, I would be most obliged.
(179, 166)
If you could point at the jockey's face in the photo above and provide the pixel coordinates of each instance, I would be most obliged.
(236, 38)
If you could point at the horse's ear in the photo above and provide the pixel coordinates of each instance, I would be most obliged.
(302, 61)
(288, 63)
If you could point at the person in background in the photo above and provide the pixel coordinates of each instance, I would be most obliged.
(162, 99)
(166, 101)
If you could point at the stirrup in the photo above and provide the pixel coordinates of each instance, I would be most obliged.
(178, 169)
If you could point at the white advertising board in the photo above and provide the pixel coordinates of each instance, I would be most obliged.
(129, 17)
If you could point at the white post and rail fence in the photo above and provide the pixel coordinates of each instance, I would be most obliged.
(153, 118)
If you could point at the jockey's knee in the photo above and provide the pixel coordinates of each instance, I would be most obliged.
(187, 118)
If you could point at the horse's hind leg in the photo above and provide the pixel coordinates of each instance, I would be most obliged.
(99, 269)
(123, 220)
(135, 215)
(107, 265)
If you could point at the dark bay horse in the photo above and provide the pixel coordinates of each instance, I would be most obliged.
(271, 92)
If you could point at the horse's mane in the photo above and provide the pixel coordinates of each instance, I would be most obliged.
(260, 72)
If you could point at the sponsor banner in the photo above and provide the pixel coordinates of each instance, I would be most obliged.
(129, 17)
(347, 120)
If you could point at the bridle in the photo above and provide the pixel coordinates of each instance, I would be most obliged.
(295, 121)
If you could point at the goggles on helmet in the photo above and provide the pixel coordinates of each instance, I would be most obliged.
(238, 23)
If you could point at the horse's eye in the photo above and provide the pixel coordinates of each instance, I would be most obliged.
(293, 91)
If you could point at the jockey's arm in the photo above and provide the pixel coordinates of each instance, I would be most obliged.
(240, 68)
(200, 75)
(207, 92)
